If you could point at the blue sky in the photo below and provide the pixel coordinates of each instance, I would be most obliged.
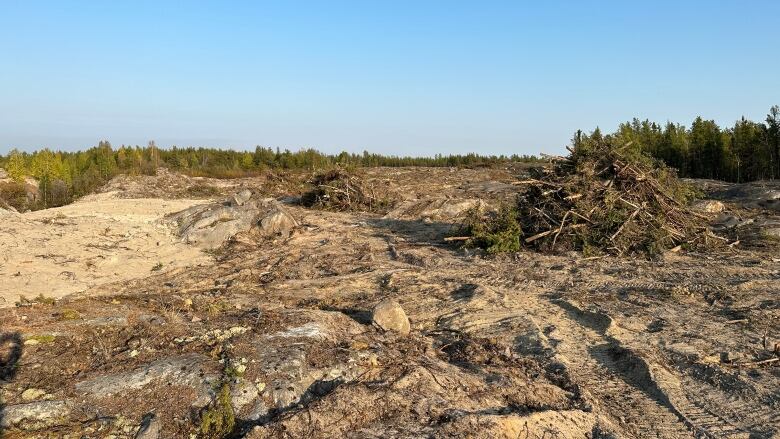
(396, 77)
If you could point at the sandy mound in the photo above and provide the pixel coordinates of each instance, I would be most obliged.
(97, 240)
(167, 184)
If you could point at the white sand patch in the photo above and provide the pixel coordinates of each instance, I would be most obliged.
(97, 240)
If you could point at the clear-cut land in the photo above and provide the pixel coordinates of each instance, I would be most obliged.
(274, 332)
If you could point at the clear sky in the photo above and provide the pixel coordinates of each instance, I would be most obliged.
(397, 77)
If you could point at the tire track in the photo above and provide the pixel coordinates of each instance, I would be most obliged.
(613, 377)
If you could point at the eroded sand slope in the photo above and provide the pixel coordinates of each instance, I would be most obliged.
(97, 240)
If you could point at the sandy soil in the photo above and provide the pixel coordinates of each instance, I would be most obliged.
(97, 240)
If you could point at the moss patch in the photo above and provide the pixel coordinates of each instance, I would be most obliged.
(69, 314)
(219, 420)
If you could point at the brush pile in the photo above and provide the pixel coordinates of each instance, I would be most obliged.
(606, 199)
(338, 190)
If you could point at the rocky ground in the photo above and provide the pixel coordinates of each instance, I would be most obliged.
(310, 323)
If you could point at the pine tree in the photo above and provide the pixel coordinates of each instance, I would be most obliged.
(773, 139)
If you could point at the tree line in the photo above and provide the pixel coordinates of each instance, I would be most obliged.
(748, 151)
(63, 176)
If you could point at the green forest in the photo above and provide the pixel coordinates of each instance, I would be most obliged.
(747, 151)
(64, 176)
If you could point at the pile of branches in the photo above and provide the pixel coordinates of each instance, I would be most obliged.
(608, 199)
(339, 190)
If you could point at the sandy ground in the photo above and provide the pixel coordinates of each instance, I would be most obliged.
(97, 240)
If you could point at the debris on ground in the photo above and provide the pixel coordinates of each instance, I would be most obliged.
(339, 190)
(601, 199)
(497, 231)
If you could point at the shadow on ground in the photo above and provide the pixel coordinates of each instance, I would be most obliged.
(10, 354)
(416, 231)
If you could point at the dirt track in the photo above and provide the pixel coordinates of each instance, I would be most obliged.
(525, 345)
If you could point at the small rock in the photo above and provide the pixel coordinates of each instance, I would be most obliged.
(711, 359)
(134, 342)
(278, 222)
(389, 316)
(151, 319)
(731, 357)
(32, 394)
(725, 221)
(710, 206)
(150, 427)
(240, 198)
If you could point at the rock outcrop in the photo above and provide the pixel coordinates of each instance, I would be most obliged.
(211, 225)
(434, 209)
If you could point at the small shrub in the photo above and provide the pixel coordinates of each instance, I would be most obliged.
(219, 420)
(496, 232)
(14, 195)
(219, 307)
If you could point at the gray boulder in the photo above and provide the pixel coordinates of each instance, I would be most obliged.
(211, 225)
(241, 197)
(189, 370)
(435, 209)
(278, 221)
